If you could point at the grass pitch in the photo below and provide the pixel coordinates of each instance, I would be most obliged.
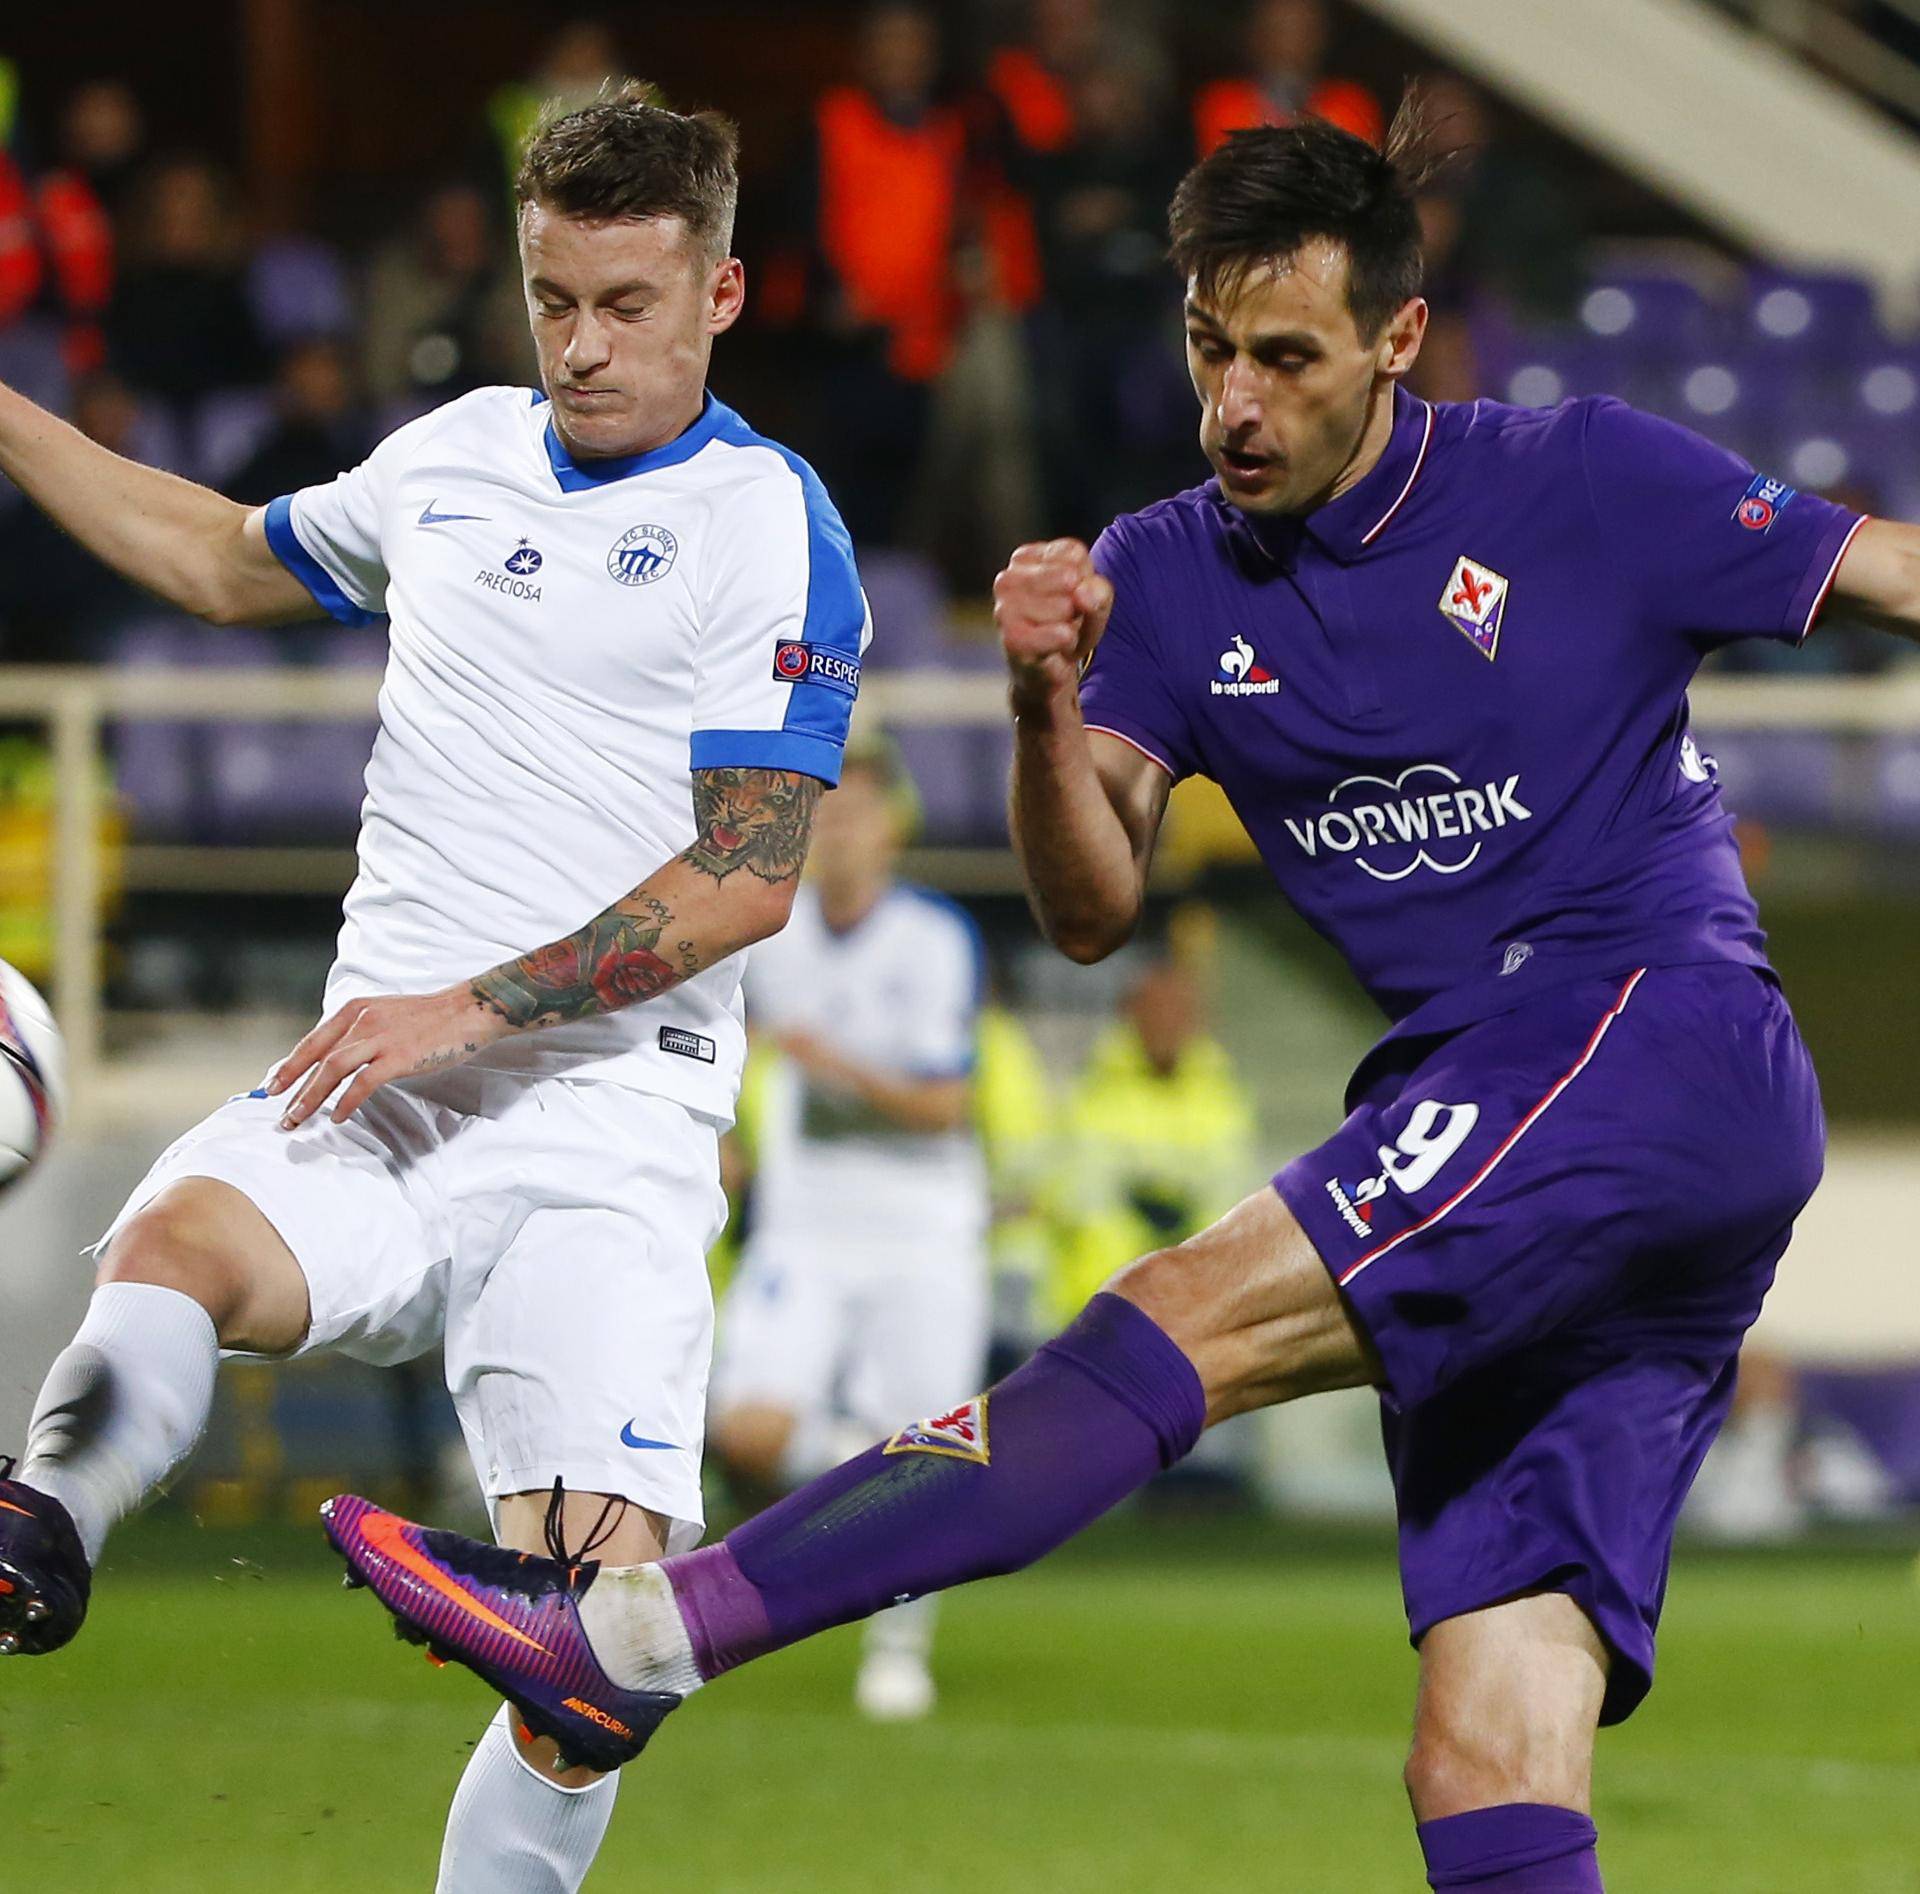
(1166, 1707)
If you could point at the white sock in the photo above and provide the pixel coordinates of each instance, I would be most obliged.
(511, 1831)
(903, 1630)
(637, 1633)
(123, 1405)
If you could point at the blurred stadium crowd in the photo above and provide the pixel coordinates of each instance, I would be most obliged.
(959, 310)
(960, 266)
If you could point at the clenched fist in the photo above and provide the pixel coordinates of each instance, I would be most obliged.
(1050, 606)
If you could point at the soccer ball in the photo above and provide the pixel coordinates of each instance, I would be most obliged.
(33, 1072)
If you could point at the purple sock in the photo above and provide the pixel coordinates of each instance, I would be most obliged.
(984, 1489)
(1518, 1848)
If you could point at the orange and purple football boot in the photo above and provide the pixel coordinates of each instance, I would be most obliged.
(510, 1617)
(44, 1576)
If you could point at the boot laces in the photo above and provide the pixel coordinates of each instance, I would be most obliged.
(602, 1529)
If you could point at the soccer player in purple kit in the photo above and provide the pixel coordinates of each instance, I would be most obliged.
(1437, 656)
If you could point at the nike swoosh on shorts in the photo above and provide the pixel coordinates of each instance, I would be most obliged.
(628, 1438)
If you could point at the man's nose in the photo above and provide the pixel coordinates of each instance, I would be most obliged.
(587, 346)
(1240, 405)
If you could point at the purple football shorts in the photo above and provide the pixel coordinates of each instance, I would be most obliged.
(1555, 1226)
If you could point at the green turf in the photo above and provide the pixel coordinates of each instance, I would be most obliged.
(1172, 1708)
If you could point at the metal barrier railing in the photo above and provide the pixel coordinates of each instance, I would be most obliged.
(76, 705)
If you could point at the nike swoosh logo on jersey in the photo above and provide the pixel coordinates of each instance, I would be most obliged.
(428, 517)
(628, 1438)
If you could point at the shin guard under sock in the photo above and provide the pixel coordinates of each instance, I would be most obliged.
(986, 1489)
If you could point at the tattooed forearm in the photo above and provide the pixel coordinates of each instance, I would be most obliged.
(608, 964)
(757, 819)
(681, 920)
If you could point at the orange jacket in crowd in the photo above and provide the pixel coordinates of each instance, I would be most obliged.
(21, 269)
(1229, 105)
(58, 238)
(1039, 118)
(889, 215)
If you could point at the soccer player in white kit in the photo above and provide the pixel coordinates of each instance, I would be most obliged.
(625, 640)
(863, 1290)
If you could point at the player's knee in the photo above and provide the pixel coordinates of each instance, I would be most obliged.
(1253, 1308)
(180, 1242)
(1160, 1284)
(169, 1245)
(1459, 1763)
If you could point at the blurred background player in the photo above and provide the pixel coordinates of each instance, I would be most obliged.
(1282, 78)
(862, 1292)
(1157, 1133)
(1156, 1141)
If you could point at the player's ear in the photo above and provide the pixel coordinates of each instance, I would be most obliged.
(726, 294)
(1400, 339)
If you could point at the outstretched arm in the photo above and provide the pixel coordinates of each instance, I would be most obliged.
(732, 886)
(196, 549)
(1879, 575)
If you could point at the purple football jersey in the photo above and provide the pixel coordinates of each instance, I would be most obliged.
(1450, 706)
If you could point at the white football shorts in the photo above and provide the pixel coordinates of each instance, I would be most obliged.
(880, 1333)
(551, 1234)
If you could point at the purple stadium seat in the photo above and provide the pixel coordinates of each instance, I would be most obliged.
(909, 608)
(971, 654)
(1156, 398)
(1497, 338)
(1787, 776)
(1819, 463)
(1881, 1406)
(289, 781)
(227, 427)
(156, 439)
(237, 782)
(32, 364)
(996, 765)
(940, 759)
(1823, 318)
(1649, 317)
(1897, 783)
(1878, 415)
(345, 646)
(164, 770)
(1549, 366)
(298, 289)
(1884, 389)
(1726, 396)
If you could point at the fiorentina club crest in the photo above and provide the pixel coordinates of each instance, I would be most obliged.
(959, 1435)
(1474, 602)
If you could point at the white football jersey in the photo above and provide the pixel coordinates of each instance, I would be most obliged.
(899, 991)
(568, 642)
